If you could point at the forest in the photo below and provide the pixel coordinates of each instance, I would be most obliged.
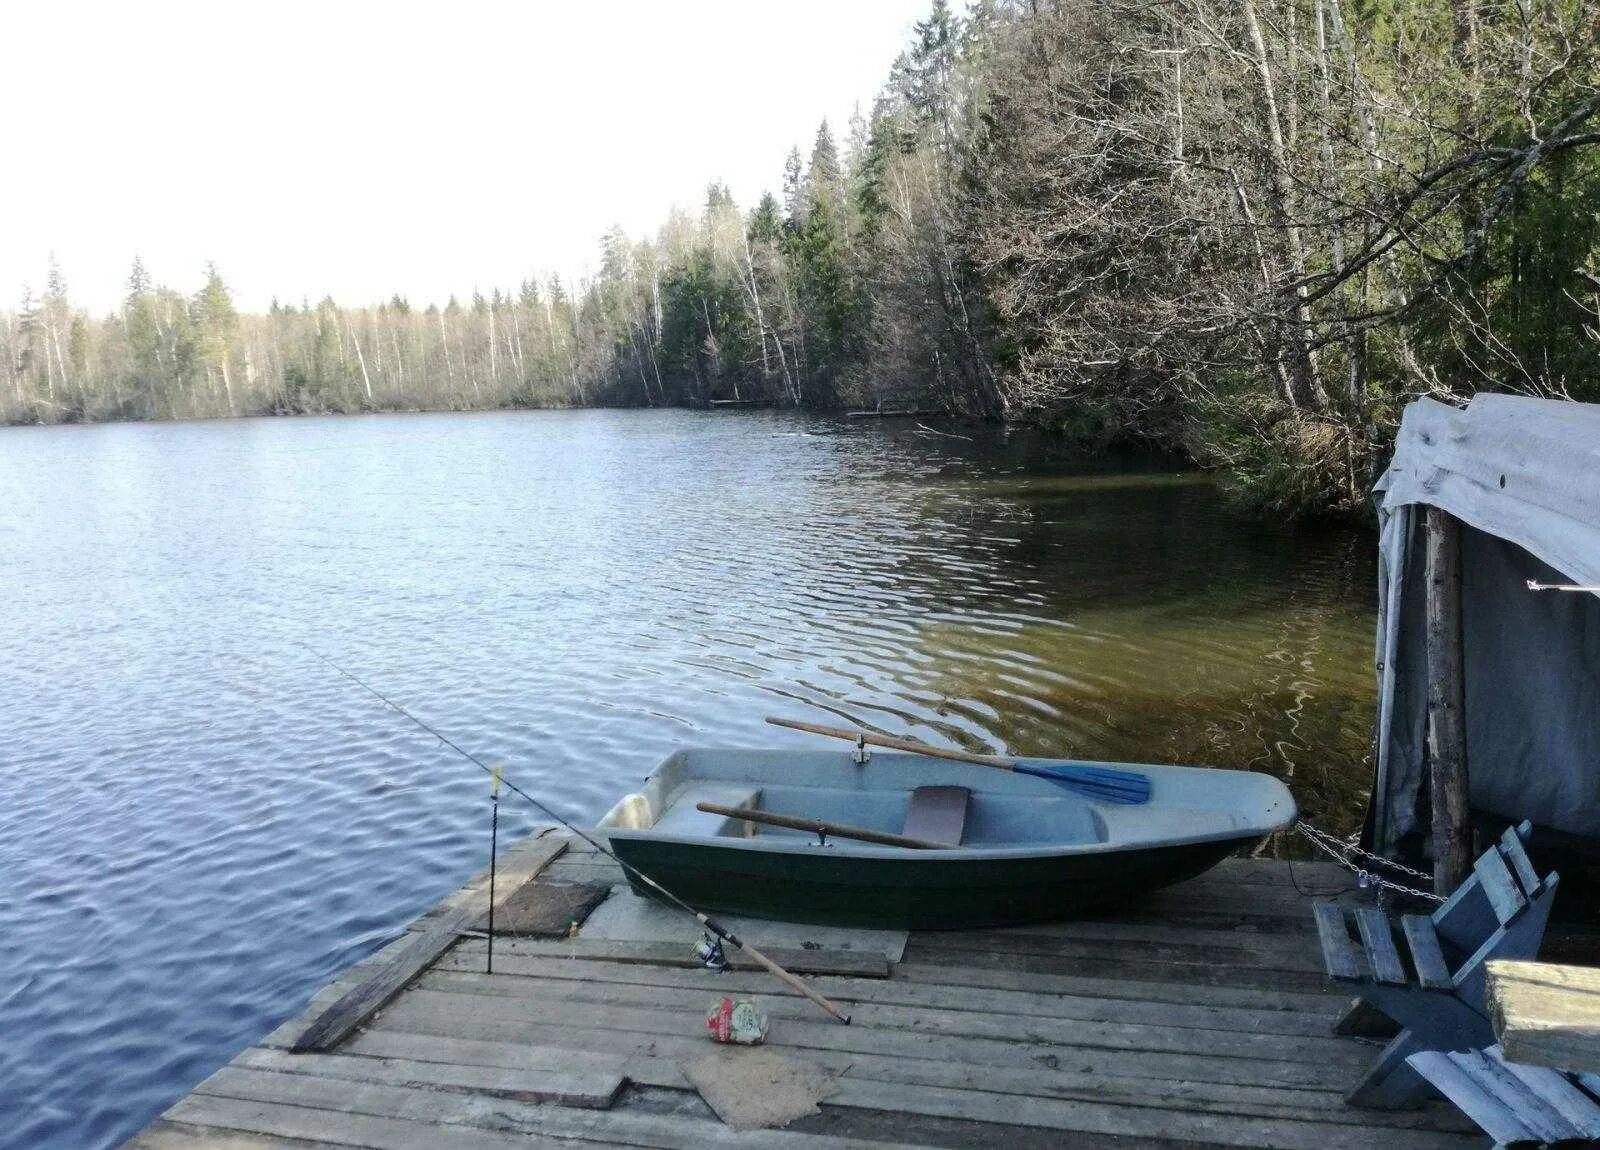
(1246, 232)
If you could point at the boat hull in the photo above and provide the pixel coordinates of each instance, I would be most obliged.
(920, 891)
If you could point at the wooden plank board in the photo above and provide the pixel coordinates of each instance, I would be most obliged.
(1378, 941)
(378, 1043)
(1516, 856)
(1126, 964)
(1270, 948)
(1256, 1059)
(1095, 1118)
(903, 992)
(592, 1083)
(1175, 947)
(1558, 1091)
(1426, 955)
(1282, 873)
(278, 1120)
(356, 1005)
(635, 1031)
(1493, 1116)
(164, 1135)
(1541, 1120)
(1244, 898)
(859, 964)
(533, 998)
(287, 1032)
(1339, 956)
(660, 1068)
(1319, 1001)
(1546, 1015)
(1502, 891)
(425, 1106)
(401, 1118)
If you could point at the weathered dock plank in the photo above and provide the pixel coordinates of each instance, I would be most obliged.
(402, 1118)
(591, 1081)
(653, 953)
(165, 1135)
(428, 1012)
(1180, 1011)
(1547, 1014)
(540, 999)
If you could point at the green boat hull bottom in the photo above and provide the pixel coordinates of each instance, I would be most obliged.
(1021, 849)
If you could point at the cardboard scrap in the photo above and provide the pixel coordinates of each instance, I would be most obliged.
(751, 1088)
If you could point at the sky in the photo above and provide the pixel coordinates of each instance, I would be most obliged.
(360, 149)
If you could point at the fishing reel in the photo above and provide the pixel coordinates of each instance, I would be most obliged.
(709, 952)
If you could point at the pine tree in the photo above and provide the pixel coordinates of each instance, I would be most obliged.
(793, 187)
(215, 324)
(824, 177)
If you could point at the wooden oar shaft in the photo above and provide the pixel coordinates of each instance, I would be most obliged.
(894, 744)
(819, 826)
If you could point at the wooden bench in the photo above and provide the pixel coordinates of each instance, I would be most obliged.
(1515, 1104)
(1426, 972)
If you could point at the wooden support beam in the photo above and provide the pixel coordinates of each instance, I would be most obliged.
(1545, 1014)
(1447, 750)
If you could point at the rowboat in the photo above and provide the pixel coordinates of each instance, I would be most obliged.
(954, 846)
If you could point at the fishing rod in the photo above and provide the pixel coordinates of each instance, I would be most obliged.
(710, 924)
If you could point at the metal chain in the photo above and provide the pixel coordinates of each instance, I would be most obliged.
(1345, 854)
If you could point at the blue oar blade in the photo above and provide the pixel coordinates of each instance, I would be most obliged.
(1102, 783)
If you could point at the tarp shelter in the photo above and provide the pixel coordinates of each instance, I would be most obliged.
(1523, 477)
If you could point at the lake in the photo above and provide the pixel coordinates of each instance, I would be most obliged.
(201, 821)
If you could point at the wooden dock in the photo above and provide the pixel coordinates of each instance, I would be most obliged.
(1200, 1017)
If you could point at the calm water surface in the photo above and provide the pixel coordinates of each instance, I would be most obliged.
(200, 822)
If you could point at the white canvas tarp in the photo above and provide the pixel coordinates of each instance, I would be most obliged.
(1524, 476)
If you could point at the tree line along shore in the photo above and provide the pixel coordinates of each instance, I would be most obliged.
(1246, 231)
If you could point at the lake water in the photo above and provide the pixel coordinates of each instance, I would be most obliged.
(200, 822)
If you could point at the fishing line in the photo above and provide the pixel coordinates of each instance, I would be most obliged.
(631, 871)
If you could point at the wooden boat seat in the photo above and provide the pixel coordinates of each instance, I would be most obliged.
(937, 814)
(681, 818)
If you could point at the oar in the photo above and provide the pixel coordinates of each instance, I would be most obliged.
(820, 828)
(1108, 784)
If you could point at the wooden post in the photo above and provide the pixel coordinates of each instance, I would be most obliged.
(1447, 750)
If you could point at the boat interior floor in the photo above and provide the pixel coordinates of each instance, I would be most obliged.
(953, 816)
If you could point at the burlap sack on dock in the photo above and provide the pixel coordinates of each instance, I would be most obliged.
(751, 1088)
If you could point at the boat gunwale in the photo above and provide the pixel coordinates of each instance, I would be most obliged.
(776, 845)
(783, 844)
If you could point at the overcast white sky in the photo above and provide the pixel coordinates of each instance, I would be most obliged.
(360, 149)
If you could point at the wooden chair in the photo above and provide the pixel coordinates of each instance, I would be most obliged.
(1436, 991)
(1516, 1105)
